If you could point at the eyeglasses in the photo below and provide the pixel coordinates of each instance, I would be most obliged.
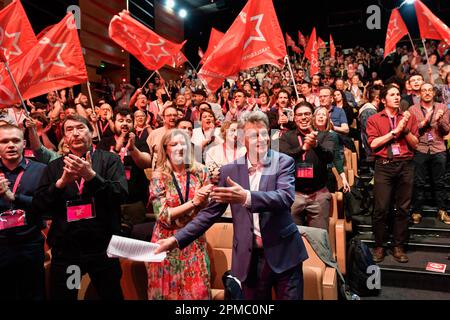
(301, 114)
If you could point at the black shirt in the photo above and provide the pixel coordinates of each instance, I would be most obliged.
(29, 182)
(108, 189)
(138, 183)
(319, 157)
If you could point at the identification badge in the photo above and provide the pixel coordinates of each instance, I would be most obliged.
(305, 170)
(128, 173)
(396, 149)
(28, 153)
(430, 136)
(12, 218)
(80, 209)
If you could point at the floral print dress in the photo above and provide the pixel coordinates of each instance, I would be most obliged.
(184, 274)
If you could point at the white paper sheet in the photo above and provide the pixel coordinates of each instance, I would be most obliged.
(136, 250)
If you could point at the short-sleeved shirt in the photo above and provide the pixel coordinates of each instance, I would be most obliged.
(338, 116)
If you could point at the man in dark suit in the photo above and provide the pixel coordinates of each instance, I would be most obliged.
(268, 251)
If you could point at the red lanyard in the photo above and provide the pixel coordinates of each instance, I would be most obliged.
(301, 145)
(103, 128)
(225, 153)
(80, 186)
(19, 178)
(393, 123)
(140, 134)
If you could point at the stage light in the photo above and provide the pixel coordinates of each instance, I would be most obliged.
(182, 13)
(170, 4)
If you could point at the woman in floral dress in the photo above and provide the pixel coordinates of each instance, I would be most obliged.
(179, 188)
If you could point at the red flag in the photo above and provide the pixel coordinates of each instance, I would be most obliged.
(332, 47)
(200, 52)
(309, 47)
(442, 47)
(296, 49)
(178, 59)
(254, 38)
(56, 62)
(149, 48)
(214, 39)
(301, 40)
(289, 41)
(321, 43)
(395, 31)
(431, 27)
(16, 33)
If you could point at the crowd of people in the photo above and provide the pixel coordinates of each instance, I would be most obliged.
(262, 150)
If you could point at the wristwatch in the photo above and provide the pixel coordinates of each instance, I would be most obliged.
(393, 133)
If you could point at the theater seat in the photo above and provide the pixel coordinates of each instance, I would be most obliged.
(219, 240)
(320, 281)
(134, 280)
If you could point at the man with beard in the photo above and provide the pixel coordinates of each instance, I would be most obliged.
(312, 152)
(21, 242)
(282, 116)
(82, 192)
(135, 157)
(431, 155)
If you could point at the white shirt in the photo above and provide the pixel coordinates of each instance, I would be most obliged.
(254, 179)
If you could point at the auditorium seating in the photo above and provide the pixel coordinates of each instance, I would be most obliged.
(320, 281)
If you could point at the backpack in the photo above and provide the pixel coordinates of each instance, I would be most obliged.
(359, 259)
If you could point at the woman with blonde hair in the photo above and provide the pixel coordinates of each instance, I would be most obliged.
(179, 188)
(321, 122)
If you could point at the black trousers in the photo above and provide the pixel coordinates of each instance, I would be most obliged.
(261, 279)
(22, 270)
(436, 165)
(105, 274)
(393, 181)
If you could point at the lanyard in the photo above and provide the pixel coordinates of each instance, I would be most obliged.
(122, 153)
(424, 115)
(139, 133)
(225, 153)
(393, 122)
(177, 186)
(80, 186)
(19, 177)
(103, 128)
(300, 142)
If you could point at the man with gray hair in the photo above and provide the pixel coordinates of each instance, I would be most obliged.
(268, 250)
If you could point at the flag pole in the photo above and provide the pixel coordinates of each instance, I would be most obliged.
(148, 79)
(165, 87)
(412, 43)
(92, 106)
(17, 88)
(426, 53)
(292, 75)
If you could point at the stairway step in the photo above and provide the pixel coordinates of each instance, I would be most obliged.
(414, 274)
(434, 243)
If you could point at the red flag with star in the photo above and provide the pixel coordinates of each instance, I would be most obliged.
(289, 41)
(395, 31)
(56, 62)
(430, 26)
(321, 43)
(214, 39)
(301, 40)
(332, 47)
(152, 50)
(254, 38)
(16, 34)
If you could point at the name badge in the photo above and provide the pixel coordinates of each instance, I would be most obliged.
(28, 153)
(128, 173)
(396, 149)
(80, 210)
(12, 219)
(305, 170)
(430, 136)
